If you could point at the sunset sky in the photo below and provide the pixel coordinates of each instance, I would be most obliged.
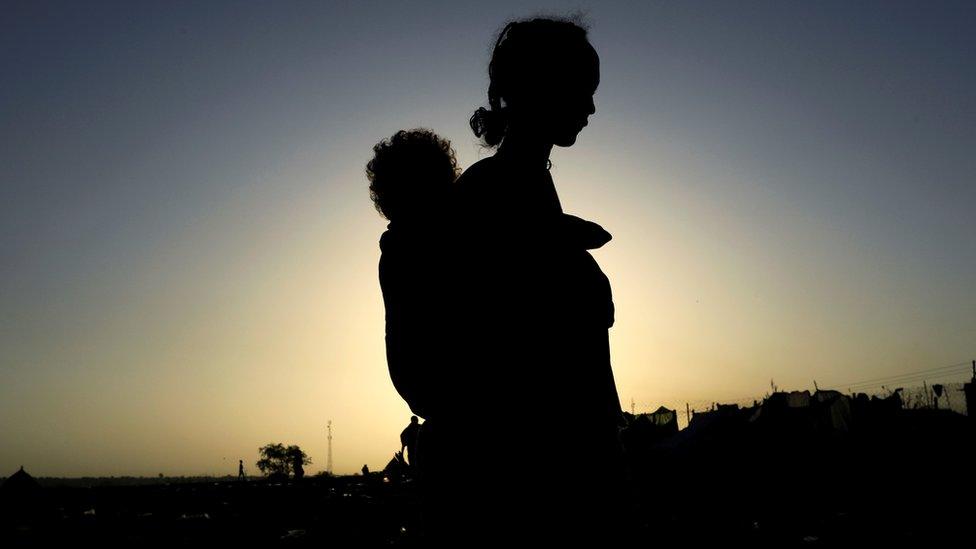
(188, 253)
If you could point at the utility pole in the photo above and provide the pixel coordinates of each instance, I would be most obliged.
(328, 461)
(970, 390)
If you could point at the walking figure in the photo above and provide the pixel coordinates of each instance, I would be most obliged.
(408, 440)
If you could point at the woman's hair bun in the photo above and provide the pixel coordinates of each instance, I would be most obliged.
(489, 125)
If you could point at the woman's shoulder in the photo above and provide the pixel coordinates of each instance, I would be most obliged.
(479, 178)
(487, 187)
(472, 192)
(477, 172)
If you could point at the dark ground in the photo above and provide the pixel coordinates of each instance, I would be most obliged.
(903, 481)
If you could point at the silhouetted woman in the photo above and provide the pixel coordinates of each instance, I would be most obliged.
(531, 450)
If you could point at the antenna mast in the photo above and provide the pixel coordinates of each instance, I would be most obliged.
(328, 462)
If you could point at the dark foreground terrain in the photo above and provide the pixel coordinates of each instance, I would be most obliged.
(755, 477)
(320, 511)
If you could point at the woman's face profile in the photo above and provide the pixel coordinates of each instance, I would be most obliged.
(563, 101)
(571, 112)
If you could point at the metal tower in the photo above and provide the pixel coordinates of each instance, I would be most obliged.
(328, 461)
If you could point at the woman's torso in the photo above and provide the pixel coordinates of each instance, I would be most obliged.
(549, 303)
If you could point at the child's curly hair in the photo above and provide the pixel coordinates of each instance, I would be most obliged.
(409, 170)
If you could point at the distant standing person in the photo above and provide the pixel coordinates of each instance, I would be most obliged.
(408, 439)
(240, 470)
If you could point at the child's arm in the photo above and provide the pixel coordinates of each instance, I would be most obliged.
(564, 231)
(580, 232)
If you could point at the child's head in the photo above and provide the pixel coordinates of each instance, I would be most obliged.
(410, 172)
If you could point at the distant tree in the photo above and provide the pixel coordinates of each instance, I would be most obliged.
(277, 459)
(274, 459)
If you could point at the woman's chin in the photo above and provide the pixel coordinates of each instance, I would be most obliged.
(566, 140)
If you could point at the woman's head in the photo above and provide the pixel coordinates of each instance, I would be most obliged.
(409, 173)
(543, 74)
